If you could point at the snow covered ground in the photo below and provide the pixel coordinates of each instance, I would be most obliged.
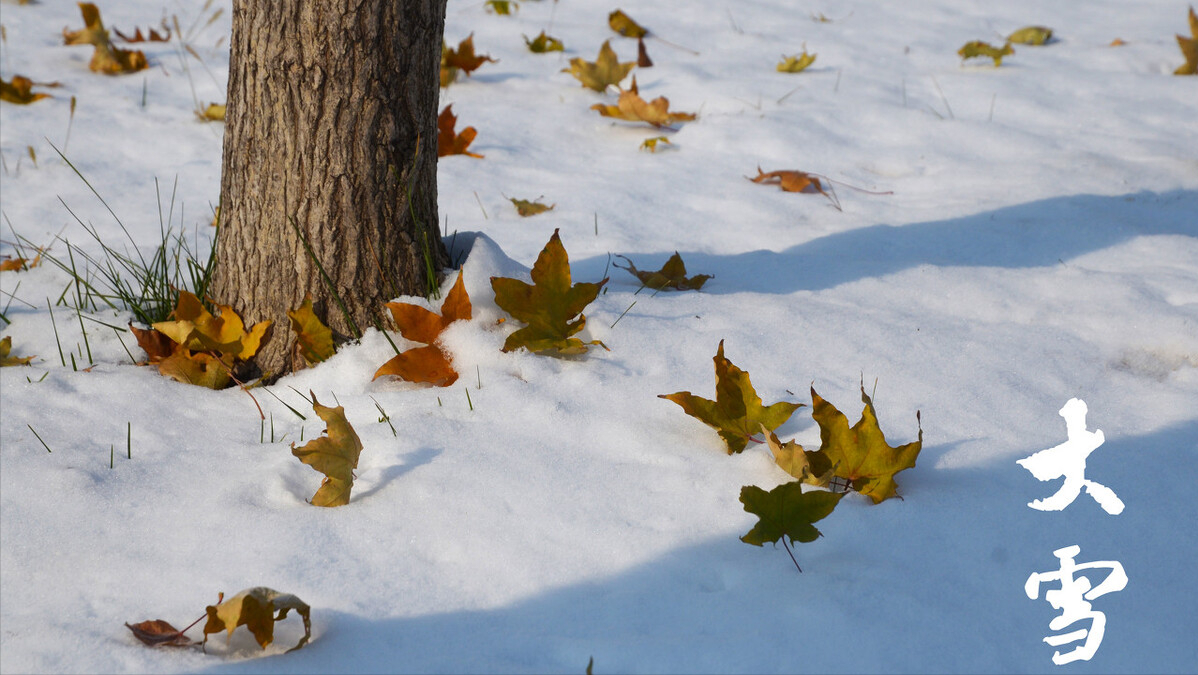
(1040, 244)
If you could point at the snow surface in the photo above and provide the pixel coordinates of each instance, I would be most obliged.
(1041, 243)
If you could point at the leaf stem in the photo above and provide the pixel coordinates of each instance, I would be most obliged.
(792, 555)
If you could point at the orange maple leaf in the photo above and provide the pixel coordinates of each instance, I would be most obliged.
(796, 181)
(449, 143)
(430, 363)
(633, 108)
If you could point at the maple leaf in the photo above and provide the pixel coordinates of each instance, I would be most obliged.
(334, 454)
(671, 275)
(158, 633)
(633, 108)
(20, 264)
(624, 25)
(1031, 35)
(461, 59)
(526, 208)
(449, 143)
(796, 181)
(797, 63)
(737, 412)
(978, 49)
(198, 330)
(215, 112)
(106, 58)
(544, 43)
(6, 349)
(1189, 48)
(548, 305)
(604, 71)
(860, 454)
(255, 609)
(20, 90)
(807, 466)
(430, 363)
(642, 55)
(786, 511)
(313, 339)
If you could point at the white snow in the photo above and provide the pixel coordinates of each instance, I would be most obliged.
(1040, 244)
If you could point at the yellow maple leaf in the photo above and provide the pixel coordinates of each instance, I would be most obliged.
(797, 63)
(1189, 48)
(20, 90)
(633, 108)
(604, 71)
(255, 608)
(335, 454)
(313, 339)
(978, 49)
(6, 349)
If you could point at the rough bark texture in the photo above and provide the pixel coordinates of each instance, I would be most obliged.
(331, 128)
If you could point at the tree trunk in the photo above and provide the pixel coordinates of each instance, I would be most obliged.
(331, 133)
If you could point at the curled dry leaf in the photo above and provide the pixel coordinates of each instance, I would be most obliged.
(502, 7)
(1031, 35)
(20, 90)
(449, 142)
(158, 633)
(642, 55)
(978, 49)
(335, 454)
(796, 181)
(797, 63)
(606, 70)
(255, 609)
(633, 108)
(429, 363)
(549, 305)
(807, 466)
(106, 59)
(215, 112)
(650, 144)
(530, 208)
(153, 36)
(624, 25)
(737, 412)
(671, 275)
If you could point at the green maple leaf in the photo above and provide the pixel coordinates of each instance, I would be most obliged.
(786, 511)
(860, 454)
(549, 305)
(737, 412)
(671, 275)
(603, 71)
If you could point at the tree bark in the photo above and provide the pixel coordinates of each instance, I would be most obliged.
(330, 136)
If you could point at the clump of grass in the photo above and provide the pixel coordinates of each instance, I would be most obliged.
(148, 287)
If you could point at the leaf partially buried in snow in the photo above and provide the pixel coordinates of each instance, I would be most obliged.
(605, 71)
(1031, 35)
(737, 411)
(20, 90)
(198, 368)
(671, 275)
(255, 608)
(198, 330)
(106, 58)
(1189, 48)
(449, 142)
(544, 43)
(549, 305)
(797, 63)
(633, 108)
(313, 339)
(528, 208)
(334, 454)
(860, 454)
(6, 349)
(978, 49)
(430, 363)
(786, 511)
